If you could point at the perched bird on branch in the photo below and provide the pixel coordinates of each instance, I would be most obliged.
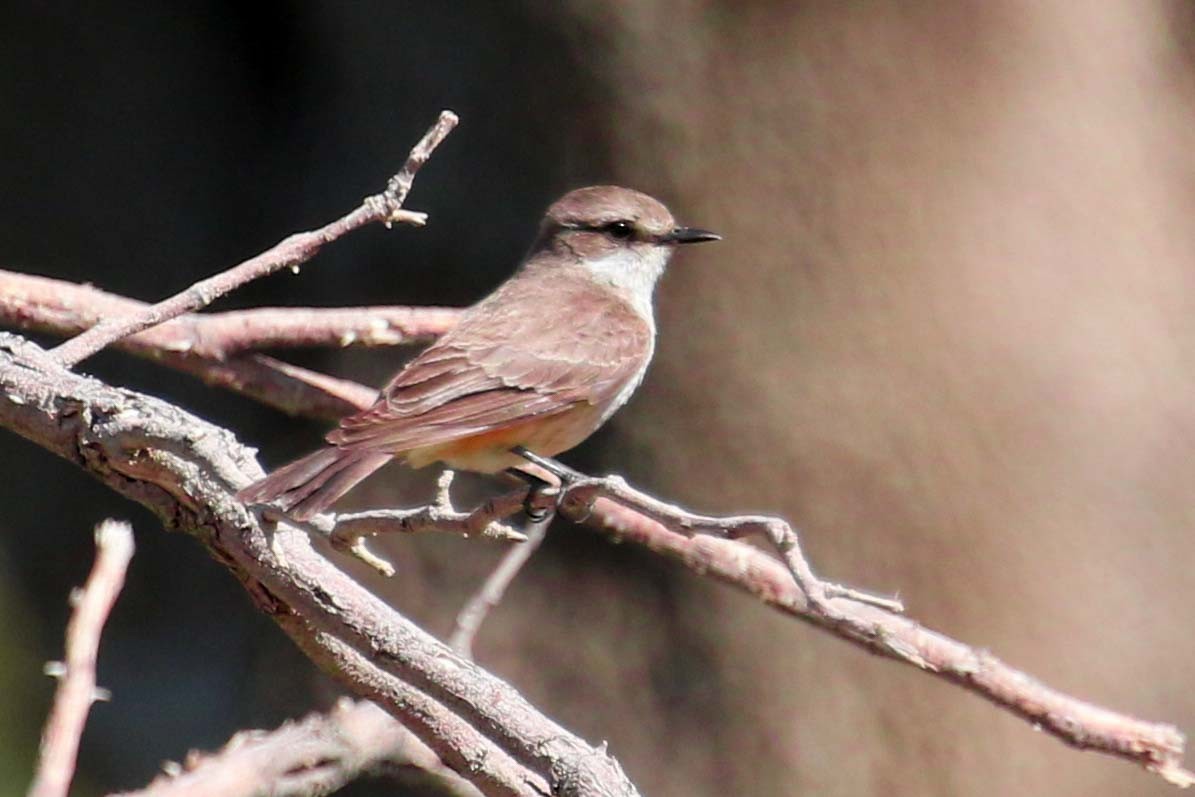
(536, 366)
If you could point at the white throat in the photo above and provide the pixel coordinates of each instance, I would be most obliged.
(634, 273)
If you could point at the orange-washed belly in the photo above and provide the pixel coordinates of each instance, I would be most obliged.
(489, 452)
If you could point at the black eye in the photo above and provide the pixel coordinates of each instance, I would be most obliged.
(620, 229)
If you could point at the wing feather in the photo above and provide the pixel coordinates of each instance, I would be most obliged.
(504, 364)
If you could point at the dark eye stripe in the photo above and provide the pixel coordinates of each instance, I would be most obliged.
(616, 229)
(619, 229)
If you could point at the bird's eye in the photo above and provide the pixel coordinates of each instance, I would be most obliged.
(620, 229)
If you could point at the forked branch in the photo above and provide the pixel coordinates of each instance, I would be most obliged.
(386, 207)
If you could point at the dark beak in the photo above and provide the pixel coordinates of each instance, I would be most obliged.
(689, 235)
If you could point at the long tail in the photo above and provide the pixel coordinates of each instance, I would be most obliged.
(309, 485)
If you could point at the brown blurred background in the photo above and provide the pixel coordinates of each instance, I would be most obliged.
(949, 334)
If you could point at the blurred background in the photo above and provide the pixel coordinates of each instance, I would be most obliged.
(949, 334)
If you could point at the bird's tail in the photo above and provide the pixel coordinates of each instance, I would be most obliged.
(309, 485)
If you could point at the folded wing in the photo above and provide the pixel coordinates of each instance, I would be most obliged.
(530, 349)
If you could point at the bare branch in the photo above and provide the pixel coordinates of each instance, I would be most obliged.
(59, 307)
(349, 530)
(581, 493)
(1156, 746)
(188, 472)
(76, 686)
(632, 518)
(386, 207)
(315, 756)
(213, 346)
(469, 621)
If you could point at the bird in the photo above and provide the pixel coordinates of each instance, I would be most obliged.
(530, 371)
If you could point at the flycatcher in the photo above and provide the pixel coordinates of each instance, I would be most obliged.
(539, 364)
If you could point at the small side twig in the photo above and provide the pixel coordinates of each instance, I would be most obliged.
(349, 530)
(76, 686)
(580, 496)
(492, 590)
(386, 207)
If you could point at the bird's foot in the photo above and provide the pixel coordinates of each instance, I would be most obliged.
(548, 481)
(542, 494)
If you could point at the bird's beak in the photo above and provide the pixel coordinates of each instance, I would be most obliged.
(689, 235)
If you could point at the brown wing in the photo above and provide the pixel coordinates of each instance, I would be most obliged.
(534, 347)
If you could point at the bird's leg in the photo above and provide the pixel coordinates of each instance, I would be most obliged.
(563, 472)
(541, 486)
(537, 487)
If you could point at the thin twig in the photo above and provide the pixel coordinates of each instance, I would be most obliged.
(349, 530)
(386, 208)
(581, 494)
(315, 756)
(76, 685)
(470, 618)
